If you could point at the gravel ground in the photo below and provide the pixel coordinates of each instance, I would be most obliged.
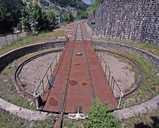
(34, 71)
(122, 71)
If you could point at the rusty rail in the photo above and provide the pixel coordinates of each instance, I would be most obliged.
(86, 56)
(111, 80)
(59, 121)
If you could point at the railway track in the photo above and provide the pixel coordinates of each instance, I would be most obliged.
(86, 56)
(59, 122)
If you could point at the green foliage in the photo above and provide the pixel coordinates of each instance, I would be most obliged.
(35, 18)
(10, 11)
(8, 120)
(31, 16)
(73, 3)
(51, 17)
(68, 17)
(71, 17)
(92, 9)
(99, 117)
(82, 14)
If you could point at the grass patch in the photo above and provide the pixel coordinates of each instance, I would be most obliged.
(149, 120)
(149, 47)
(10, 121)
(8, 90)
(73, 124)
(150, 85)
(98, 117)
(43, 36)
(143, 45)
(7, 85)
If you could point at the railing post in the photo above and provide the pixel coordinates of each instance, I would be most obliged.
(42, 82)
(109, 77)
(105, 70)
(120, 99)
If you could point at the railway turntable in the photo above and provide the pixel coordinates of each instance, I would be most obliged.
(77, 81)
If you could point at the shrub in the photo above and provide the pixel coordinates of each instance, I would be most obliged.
(34, 18)
(99, 117)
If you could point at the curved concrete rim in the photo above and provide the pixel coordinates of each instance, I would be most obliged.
(143, 108)
(137, 81)
(125, 113)
(136, 110)
(18, 111)
(23, 113)
(31, 45)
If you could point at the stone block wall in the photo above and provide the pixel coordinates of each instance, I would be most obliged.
(130, 19)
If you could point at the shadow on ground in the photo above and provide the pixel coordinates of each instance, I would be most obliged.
(154, 124)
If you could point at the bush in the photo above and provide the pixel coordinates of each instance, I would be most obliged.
(10, 11)
(35, 19)
(82, 14)
(99, 117)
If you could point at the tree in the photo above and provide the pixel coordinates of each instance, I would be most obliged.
(35, 18)
(99, 117)
(94, 6)
(51, 17)
(71, 17)
(82, 14)
(10, 12)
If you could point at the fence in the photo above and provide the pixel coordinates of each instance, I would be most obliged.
(118, 93)
(9, 39)
(47, 80)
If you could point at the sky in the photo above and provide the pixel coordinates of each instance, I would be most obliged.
(87, 1)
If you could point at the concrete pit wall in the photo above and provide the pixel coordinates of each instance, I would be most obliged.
(9, 57)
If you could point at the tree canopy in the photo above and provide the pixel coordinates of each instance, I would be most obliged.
(10, 11)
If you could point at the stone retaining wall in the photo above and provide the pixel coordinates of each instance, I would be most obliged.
(9, 39)
(129, 19)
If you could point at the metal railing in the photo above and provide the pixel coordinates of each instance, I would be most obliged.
(47, 80)
(117, 91)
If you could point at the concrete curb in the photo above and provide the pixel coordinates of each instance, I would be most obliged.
(137, 110)
(146, 54)
(23, 112)
(143, 108)
(10, 56)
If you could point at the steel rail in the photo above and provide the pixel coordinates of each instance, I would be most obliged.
(89, 72)
(17, 79)
(63, 103)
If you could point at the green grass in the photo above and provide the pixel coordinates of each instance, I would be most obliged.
(42, 37)
(150, 85)
(10, 121)
(98, 117)
(148, 120)
(7, 85)
(73, 124)
(143, 45)
(8, 89)
(149, 47)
